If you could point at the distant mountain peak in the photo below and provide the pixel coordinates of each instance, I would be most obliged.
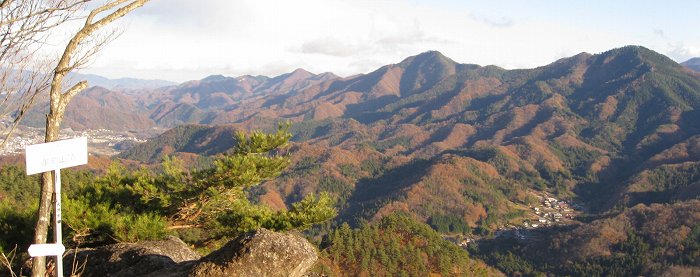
(638, 59)
(301, 71)
(118, 84)
(642, 53)
(294, 76)
(424, 70)
(432, 53)
(693, 63)
(695, 60)
(326, 76)
(634, 48)
(215, 78)
(297, 75)
(427, 57)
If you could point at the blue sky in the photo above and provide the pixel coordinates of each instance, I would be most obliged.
(183, 40)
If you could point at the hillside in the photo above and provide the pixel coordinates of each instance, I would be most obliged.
(115, 112)
(693, 64)
(479, 145)
(96, 108)
(195, 139)
(582, 127)
(396, 246)
(627, 244)
(214, 99)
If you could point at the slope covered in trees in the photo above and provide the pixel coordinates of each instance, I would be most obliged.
(656, 240)
(586, 127)
(395, 246)
(200, 139)
(204, 207)
(464, 148)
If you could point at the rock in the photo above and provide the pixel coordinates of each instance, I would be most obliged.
(258, 253)
(130, 259)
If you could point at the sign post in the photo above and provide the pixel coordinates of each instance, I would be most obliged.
(53, 156)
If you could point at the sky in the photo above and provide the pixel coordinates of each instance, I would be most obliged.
(180, 40)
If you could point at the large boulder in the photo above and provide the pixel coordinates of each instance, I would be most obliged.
(129, 259)
(257, 253)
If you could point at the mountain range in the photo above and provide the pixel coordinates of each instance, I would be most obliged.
(120, 83)
(581, 125)
(625, 111)
(431, 137)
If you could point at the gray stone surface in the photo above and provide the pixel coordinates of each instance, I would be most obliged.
(258, 253)
(130, 259)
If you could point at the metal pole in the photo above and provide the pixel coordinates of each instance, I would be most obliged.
(57, 221)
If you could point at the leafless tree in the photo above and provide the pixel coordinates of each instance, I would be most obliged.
(84, 44)
(24, 26)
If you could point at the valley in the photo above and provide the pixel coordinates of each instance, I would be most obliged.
(101, 141)
(567, 157)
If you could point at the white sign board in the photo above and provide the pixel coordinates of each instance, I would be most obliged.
(56, 155)
(48, 249)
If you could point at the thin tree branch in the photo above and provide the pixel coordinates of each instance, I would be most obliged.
(66, 97)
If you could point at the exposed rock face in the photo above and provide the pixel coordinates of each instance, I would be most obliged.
(258, 253)
(131, 259)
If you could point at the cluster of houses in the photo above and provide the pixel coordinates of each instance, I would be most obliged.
(19, 141)
(101, 141)
(459, 240)
(548, 212)
(551, 211)
(464, 242)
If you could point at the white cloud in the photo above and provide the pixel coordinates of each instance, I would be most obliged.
(681, 52)
(185, 39)
(329, 46)
(500, 22)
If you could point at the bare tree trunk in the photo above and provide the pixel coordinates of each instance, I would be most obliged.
(42, 225)
(41, 229)
(59, 101)
(24, 24)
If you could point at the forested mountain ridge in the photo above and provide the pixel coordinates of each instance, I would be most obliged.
(473, 147)
(96, 108)
(653, 240)
(586, 124)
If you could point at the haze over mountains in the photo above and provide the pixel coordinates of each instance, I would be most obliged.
(120, 83)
